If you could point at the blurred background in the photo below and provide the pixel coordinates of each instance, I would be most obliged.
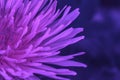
(101, 22)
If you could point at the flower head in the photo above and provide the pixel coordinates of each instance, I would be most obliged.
(31, 36)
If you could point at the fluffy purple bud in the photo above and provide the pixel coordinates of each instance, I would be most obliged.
(31, 36)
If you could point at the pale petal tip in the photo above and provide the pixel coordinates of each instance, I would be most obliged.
(82, 29)
(85, 66)
(82, 37)
(82, 53)
(78, 10)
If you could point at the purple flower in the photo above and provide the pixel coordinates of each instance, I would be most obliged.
(31, 36)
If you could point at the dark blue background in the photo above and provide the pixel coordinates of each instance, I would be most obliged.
(101, 22)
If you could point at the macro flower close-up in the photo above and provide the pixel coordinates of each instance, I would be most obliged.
(32, 33)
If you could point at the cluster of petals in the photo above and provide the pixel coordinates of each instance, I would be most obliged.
(32, 33)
